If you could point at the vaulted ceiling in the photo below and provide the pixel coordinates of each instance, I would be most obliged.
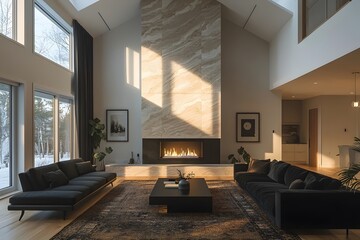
(263, 18)
(256, 16)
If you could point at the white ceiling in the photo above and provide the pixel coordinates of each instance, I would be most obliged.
(334, 78)
(265, 21)
(114, 12)
(262, 22)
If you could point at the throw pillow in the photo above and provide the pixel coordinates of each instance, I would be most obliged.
(56, 178)
(84, 167)
(294, 172)
(277, 171)
(311, 182)
(259, 166)
(297, 184)
(329, 183)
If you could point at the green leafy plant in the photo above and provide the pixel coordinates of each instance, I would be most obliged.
(243, 154)
(348, 176)
(97, 133)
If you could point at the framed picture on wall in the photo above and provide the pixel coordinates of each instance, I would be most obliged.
(117, 125)
(248, 127)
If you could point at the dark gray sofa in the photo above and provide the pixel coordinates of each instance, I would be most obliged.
(61, 186)
(295, 198)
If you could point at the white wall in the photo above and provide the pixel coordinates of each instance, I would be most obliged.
(18, 64)
(335, 115)
(245, 88)
(117, 84)
(333, 39)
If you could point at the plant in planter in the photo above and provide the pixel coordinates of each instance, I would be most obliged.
(97, 133)
(349, 177)
(244, 156)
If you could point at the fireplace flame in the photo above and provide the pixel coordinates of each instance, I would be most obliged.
(173, 153)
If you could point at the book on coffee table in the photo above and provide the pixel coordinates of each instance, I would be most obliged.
(171, 185)
(169, 182)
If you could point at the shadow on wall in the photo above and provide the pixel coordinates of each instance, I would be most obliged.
(181, 69)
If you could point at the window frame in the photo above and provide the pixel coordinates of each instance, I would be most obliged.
(13, 21)
(71, 101)
(53, 16)
(56, 122)
(303, 15)
(13, 138)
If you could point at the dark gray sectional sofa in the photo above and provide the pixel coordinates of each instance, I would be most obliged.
(61, 186)
(295, 198)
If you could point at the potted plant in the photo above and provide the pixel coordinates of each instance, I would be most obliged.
(241, 162)
(97, 133)
(244, 156)
(349, 177)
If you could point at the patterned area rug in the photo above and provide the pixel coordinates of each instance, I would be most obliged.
(125, 213)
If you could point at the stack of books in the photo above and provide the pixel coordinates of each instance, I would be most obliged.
(171, 184)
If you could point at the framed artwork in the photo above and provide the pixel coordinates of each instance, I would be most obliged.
(117, 125)
(247, 127)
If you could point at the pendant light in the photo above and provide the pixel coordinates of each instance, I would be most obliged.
(355, 103)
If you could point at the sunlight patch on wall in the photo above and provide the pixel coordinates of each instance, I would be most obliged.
(276, 143)
(132, 68)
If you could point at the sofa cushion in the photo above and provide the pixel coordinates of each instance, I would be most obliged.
(37, 179)
(292, 173)
(264, 194)
(69, 168)
(85, 190)
(277, 170)
(297, 184)
(93, 183)
(84, 167)
(107, 175)
(243, 178)
(56, 178)
(329, 184)
(46, 197)
(316, 181)
(259, 166)
(311, 182)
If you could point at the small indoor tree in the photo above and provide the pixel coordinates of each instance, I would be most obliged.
(349, 177)
(97, 133)
(245, 156)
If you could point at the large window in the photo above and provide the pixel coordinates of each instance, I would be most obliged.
(316, 12)
(5, 136)
(44, 128)
(7, 17)
(52, 35)
(52, 138)
(65, 130)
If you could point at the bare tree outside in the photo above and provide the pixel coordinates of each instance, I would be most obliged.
(44, 130)
(6, 17)
(5, 135)
(51, 40)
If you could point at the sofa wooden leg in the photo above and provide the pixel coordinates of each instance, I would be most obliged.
(22, 214)
(64, 215)
(347, 232)
(112, 184)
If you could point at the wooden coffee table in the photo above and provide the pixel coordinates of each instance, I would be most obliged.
(198, 199)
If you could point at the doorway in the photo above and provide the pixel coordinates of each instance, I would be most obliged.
(313, 137)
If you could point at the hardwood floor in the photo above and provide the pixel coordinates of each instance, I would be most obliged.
(40, 225)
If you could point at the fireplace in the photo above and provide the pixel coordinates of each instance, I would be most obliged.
(181, 151)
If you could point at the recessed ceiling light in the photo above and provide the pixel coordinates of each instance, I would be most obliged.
(293, 96)
(351, 93)
(315, 83)
(81, 4)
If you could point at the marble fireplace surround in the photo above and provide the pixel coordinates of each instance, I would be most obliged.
(181, 68)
